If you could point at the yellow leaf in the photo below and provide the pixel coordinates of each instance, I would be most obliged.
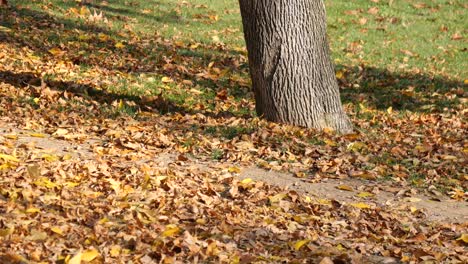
(84, 11)
(67, 156)
(4, 29)
(83, 37)
(412, 199)
(324, 202)
(464, 238)
(235, 170)
(246, 181)
(300, 243)
(38, 135)
(195, 45)
(390, 110)
(166, 80)
(345, 188)
(216, 39)
(55, 51)
(71, 184)
(119, 45)
(330, 143)
(405, 259)
(356, 146)
(300, 174)
(339, 74)
(361, 205)
(103, 37)
(340, 247)
(115, 251)
(115, 185)
(36, 100)
(171, 230)
(75, 259)
(50, 157)
(11, 136)
(277, 198)
(45, 182)
(32, 210)
(103, 220)
(7, 166)
(56, 230)
(6, 157)
(60, 132)
(89, 255)
(365, 194)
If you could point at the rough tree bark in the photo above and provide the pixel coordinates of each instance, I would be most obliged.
(292, 74)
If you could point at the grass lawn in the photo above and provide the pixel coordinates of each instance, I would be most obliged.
(399, 60)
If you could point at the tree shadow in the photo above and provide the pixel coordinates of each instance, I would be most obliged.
(120, 11)
(89, 45)
(87, 92)
(41, 32)
(415, 92)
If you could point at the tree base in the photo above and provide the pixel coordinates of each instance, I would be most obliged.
(338, 122)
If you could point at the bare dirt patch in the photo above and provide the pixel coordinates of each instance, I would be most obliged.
(443, 210)
(46, 143)
(378, 193)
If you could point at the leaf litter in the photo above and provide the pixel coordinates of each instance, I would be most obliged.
(121, 203)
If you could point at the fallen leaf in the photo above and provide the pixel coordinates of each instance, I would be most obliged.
(365, 194)
(38, 135)
(277, 198)
(166, 80)
(119, 45)
(345, 188)
(76, 259)
(171, 230)
(9, 158)
(300, 244)
(361, 205)
(463, 238)
(89, 255)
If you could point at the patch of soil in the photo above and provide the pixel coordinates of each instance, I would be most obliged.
(440, 209)
(45, 143)
(436, 209)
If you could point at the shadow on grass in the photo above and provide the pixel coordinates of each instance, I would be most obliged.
(382, 89)
(41, 32)
(87, 92)
(122, 12)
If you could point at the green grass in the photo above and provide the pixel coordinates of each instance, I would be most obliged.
(420, 32)
(177, 56)
(417, 31)
(382, 49)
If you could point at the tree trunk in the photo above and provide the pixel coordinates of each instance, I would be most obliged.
(292, 74)
(3, 2)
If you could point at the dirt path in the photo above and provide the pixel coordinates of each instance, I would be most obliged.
(377, 194)
(443, 210)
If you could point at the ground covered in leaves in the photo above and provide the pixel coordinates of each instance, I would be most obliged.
(124, 98)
